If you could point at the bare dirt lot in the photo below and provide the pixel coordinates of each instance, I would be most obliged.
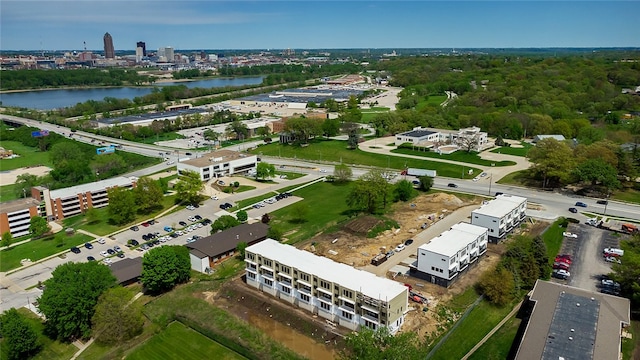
(9, 177)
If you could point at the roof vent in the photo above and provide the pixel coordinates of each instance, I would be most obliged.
(237, 236)
(573, 330)
(593, 299)
(570, 338)
(578, 304)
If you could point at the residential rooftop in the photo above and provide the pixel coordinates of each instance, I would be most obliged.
(451, 241)
(216, 157)
(20, 204)
(91, 187)
(358, 280)
(500, 206)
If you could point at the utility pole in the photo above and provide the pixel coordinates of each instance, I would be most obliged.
(490, 181)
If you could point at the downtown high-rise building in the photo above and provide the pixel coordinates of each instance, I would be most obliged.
(109, 52)
(141, 44)
(165, 54)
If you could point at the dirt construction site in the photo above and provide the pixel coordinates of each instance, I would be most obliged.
(351, 246)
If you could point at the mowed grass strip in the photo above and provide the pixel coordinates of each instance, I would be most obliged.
(473, 328)
(29, 156)
(336, 151)
(460, 156)
(10, 192)
(516, 151)
(39, 249)
(553, 239)
(180, 342)
(498, 345)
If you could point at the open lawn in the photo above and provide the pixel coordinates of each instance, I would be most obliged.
(8, 192)
(433, 100)
(471, 330)
(369, 114)
(499, 344)
(180, 342)
(461, 156)
(39, 249)
(51, 349)
(515, 178)
(517, 151)
(250, 201)
(161, 137)
(630, 195)
(553, 238)
(102, 226)
(327, 207)
(336, 151)
(290, 175)
(29, 156)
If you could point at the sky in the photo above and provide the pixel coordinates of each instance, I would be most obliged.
(326, 24)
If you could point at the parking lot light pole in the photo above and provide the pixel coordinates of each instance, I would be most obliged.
(606, 203)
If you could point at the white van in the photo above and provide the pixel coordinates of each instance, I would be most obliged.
(613, 252)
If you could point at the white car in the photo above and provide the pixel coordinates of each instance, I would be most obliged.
(323, 170)
(107, 261)
(104, 253)
(179, 233)
(101, 241)
(400, 247)
(214, 198)
(612, 259)
(571, 235)
(190, 207)
(476, 179)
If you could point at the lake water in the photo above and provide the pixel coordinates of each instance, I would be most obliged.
(53, 99)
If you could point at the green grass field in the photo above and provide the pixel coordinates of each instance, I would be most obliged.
(336, 151)
(499, 344)
(39, 249)
(514, 150)
(478, 323)
(433, 100)
(162, 137)
(461, 156)
(629, 195)
(9, 192)
(553, 239)
(180, 342)
(29, 156)
(327, 207)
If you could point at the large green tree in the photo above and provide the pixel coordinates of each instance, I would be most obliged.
(38, 226)
(370, 193)
(24, 183)
(116, 320)
(7, 239)
(122, 205)
(596, 171)
(552, 161)
(189, 186)
(342, 173)
(242, 216)
(403, 190)
(148, 194)
(224, 222)
(20, 339)
(331, 127)
(164, 267)
(627, 272)
(265, 170)
(426, 182)
(70, 296)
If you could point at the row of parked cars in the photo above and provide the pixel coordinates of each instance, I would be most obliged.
(612, 255)
(271, 200)
(561, 266)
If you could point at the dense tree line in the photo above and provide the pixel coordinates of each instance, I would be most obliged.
(511, 96)
(627, 273)
(73, 162)
(36, 79)
(191, 74)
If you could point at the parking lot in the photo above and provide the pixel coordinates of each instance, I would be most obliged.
(588, 264)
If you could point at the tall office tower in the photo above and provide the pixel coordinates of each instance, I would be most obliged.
(165, 54)
(109, 52)
(141, 44)
(139, 54)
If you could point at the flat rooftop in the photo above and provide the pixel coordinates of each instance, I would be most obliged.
(417, 133)
(500, 206)
(151, 116)
(90, 187)
(571, 323)
(216, 157)
(358, 280)
(470, 228)
(304, 95)
(450, 242)
(20, 204)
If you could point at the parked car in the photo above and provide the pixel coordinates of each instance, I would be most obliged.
(563, 258)
(400, 247)
(145, 224)
(573, 210)
(612, 259)
(133, 242)
(134, 228)
(580, 204)
(190, 207)
(214, 198)
(91, 258)
(110, 252)
(75, 250)
(121, 255)
(168, 229)
(117, 248)
(198, 217)
(88, 245)
(561, 265)
(571, 235)
(561, 274)
(107, 261)
(613, 252)
(101, 241)
(408, 242)
(104, 253)
(452, 185)
(182, 223)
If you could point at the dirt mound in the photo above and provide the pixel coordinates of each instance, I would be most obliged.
(447, 199)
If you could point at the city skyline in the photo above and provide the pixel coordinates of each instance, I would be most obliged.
(66, 25)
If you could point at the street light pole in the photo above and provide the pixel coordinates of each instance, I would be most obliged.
(606, 203)
(490, 181)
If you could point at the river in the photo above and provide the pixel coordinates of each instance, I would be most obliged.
(59, 98)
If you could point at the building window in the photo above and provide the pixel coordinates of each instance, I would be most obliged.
(304, 277)
(285, 290)
(251, 275)
(305, 297)
(268, 282)
(347, 315)
(267, 262)
(347, 293)
(325, 306)
(325, 285)
(285, 269)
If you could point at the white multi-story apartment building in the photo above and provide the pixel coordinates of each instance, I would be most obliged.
(337, 292)
(220, 163)
(444, 258)
(500, 215)
(15, 216)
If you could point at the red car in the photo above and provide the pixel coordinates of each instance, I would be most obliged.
(564, 258)
(561, 266)
(145, 224)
